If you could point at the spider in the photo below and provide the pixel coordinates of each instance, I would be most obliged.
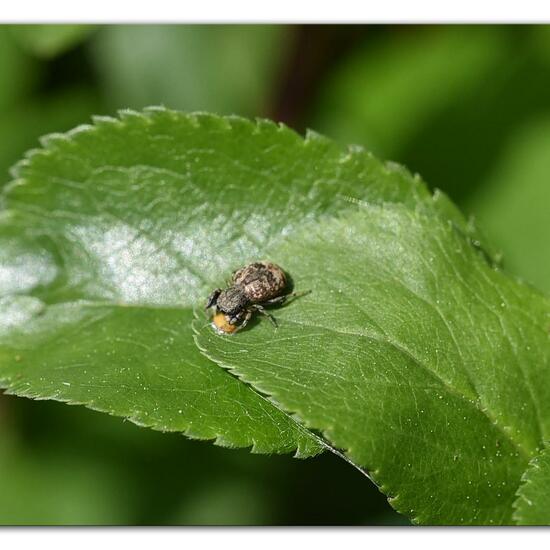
(252, 287)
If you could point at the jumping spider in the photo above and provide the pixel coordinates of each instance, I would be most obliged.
(252, 287)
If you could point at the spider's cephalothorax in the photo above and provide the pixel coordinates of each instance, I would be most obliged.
(252, 287)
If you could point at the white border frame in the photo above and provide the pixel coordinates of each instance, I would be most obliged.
(279, 11)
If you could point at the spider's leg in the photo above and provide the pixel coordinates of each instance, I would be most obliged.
(246, 318)
(284, 298)
(262, 310)
(236, 318)
(213, 297)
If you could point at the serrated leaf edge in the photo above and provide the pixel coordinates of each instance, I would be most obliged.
(218, 439)
(525, 481)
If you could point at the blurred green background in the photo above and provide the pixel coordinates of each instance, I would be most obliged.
(467, 107)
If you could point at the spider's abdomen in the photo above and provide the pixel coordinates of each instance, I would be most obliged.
(260, 281)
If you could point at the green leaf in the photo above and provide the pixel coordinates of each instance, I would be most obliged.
(222, 68)
(532, 506)
(413, 353)
(512, 205)
(426, 365)
(49, 40)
